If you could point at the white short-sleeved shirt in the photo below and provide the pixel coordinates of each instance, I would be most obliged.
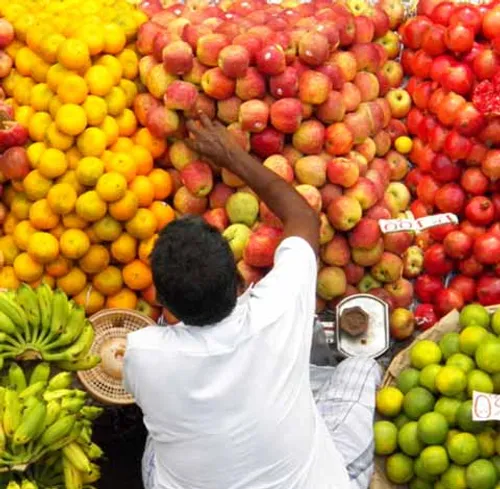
(229, 406)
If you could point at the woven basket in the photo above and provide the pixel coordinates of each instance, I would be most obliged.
(111, 324)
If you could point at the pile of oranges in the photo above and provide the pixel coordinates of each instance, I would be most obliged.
(87, 215)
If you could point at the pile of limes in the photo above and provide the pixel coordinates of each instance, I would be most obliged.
(85, 218)
(430, 439)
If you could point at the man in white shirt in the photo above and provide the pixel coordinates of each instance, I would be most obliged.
(227, 395)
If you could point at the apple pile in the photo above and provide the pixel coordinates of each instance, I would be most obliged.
(314, 92)
(452, 55)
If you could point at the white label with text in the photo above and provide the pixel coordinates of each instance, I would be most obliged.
(416, 225)
(485, 407)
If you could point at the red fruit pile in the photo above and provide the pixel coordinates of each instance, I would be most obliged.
(312, 91)
(452, 54)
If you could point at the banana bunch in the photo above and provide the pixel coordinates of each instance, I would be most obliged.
(42, 417)
(44, 324)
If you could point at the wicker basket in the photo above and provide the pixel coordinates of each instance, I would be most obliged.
(110, 324)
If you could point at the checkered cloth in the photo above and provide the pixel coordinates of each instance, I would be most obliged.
(345, 396)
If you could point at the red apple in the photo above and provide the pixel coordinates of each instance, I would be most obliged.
(466, 286)
(480, 211)
(488, 290)
(487, 249)
(402, 323)
(447, 300)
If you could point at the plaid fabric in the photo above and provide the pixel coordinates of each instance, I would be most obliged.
(345, 396)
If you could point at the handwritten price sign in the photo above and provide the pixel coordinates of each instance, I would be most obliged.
(416, 225)
(485, 407)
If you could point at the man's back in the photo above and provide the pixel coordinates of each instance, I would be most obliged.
(229, 406)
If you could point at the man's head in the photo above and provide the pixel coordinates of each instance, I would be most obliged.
(194, 272)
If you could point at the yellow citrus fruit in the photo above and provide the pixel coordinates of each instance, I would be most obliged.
(111, 130)
(130, 90)
(143, 160)
(116, 101)
(58, 267)
(127, 123)
(52, 163)
(122, 145)
(90, 299)
(74, 244)
(8, 278)
(130, 63)
(111, 186)
(54, 106)
(92, 142)
(73, 282)
(56, 74)
(71, 119)
(156, 146)
(38, 125)
(125, 208)
(89, 170)
(163, 212)
(10, 224)
(124, 164)
(146, 248)
(137, 275)
(143, 225)
(93, 36)
(43, 247)
(162, 182)
(403, 144)
(90, 206)
(73, 54)
(22, 91)
(144, 189)
(9, 249)
(99, 80)
(39, 70)
(41, 215)
(26, 268)
(73, 156)
(74, 221)
(109, 281)
(71, 178)
(34, 152)
(389, 401)
(95, 260)
(20, 206)
(23, 61)
(95, 109)
(114, 39)
(62, 198)
(49, 47)
(41, 96)
(22, 232)
(57, 139)
(124, 299)
(36, 34)
(124, 248)
(72, 89)
(23, 115)
(113, 65)
(107, 229)
(58, 231)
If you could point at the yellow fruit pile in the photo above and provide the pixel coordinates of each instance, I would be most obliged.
(86, 216)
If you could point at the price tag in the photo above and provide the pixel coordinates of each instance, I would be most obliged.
(485, 407)
(416, 225)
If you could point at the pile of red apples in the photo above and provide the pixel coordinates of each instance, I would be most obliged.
(452, 54)
(314, 92)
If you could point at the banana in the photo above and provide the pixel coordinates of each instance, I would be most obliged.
(2, 439)
(77, 457)
(60, 311)
(13, 485)
(28, 300)
(62, 380)
(12, 412)
(93, 476)
(94, 451)
(72, 478)
(58, 394)
(32, 390)
(82, 344)
(91, 412)
(53, 411)
(86, 363)
(75, 323)
(31, 422)
(44, 294)
(14, 311)
(17, 379)
(72, 405)
(26, 484)
(85, 437)
(58, 430)
(40, 373)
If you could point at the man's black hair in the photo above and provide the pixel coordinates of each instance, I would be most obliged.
(194, 272)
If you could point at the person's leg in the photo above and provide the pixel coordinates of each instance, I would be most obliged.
(148, 465)
(345, 396)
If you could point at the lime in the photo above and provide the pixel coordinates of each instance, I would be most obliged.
(434, 460)
(496, 382)
(408, 379)
(481, 474)
(408, 439)
(425, 353)
(496, 462)
(474, 314)
(447, 406)
(433, 428)
(428, 377)
(401, 420)
(477, 380)
(418, 468)
(454, 478)
(486, 441)
(451, 434)
(449, 344)
(451, 381)
(439, 485)
(386, 437)
(470, 338)
(463, 448)
(417, 483)
(491, 338)
(389, 401)
(461, 361)
(497, 444)
(464, 418)
(417, 402)
(488, 357)
(495, 321)
(399, 468)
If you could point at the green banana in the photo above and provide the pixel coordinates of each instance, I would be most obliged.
(94, 451)
(75, 322)
(58, 394)
(84, 342)
(91, 412)
(44, 294)
(28, 300)
(53, 411)
(26, 484)
(32, 390)
(40, 373)
(93, 476)
(7, 325)
(62, 380)
(72, 405)
(31, 422)
(12, 412)
(17, 379)
(2, 439)
(14, 311)
(72, 478)
(77, 457)
(86, 363)
(60, 311)
(13, 485)
(58, 430)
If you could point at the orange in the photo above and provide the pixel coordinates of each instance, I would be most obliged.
(54, 106)
(55, 76)
(73, 54)
(58, 267)
(23, 115)
(143, 159)
(143, 225)
(110, 128)
(124, 299)
(130, 89)
(114, 39)
(163, 212)
(73, 156)
(92, 236)
(47, 279)
(43, 247)
(71, 178)
(38, 126)
(49, 47)
(74, 243)
(8, 249)
(22, 232)
(89, 170)
(23, 24)
(143, 189)
(34, 152)
(146, 248)
(130, 63)
(111, 186)
(162, 182)
(42, 216)
(23, 61)
(52, 163)
(122, 145)
(73, 282)
(92, 142)
(116, 101)
(8, 278)
(113, 65)
(156, 146)
(90, 299)
(107, 229)
(71, 119)
(22, 91)
(95, 260)
(127, 123)
(137, 275)
(20, 206)
(36, 34)
(58, 231)
(95, 109)
(57, 139)
(99, 80)
(10, 81)
(93, 36)
(90, 206)
(39, 70)
(74, 221)
(124, 164)
(62, 198)
(124, 248)
(41, 96)
(72, 89)
(124, 208)
(26, 268)
(109, 281)
(127, 23)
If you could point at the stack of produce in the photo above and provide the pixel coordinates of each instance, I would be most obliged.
(430, 439)
(46, 431)
(86, 214)
(453, 57)
(314, 92)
